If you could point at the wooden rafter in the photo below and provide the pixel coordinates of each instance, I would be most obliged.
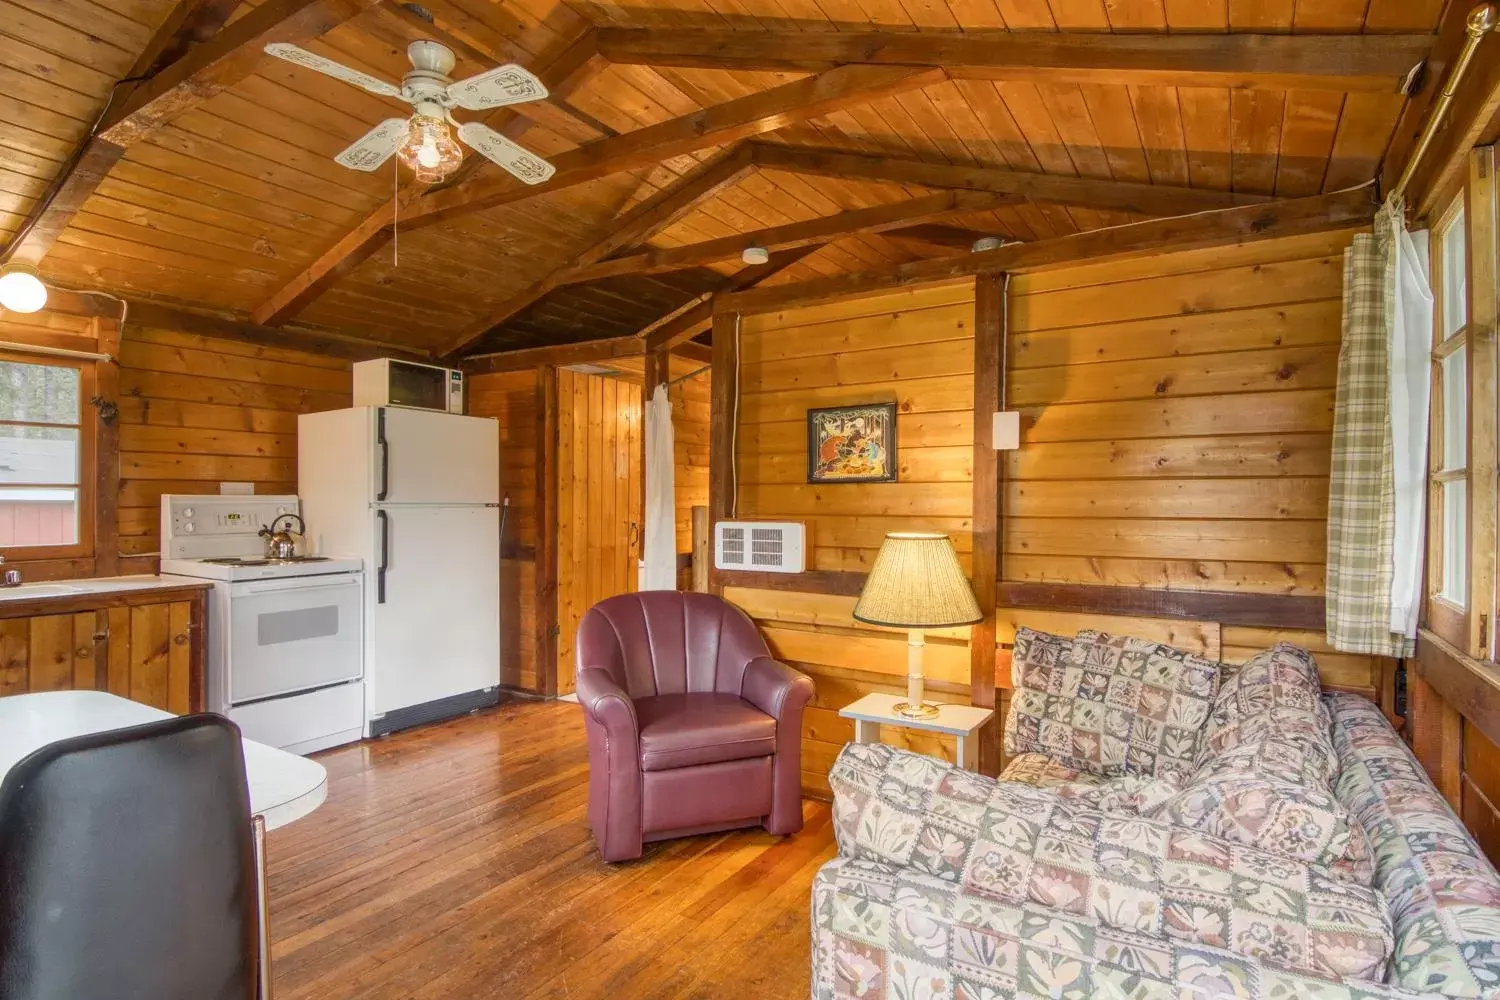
(580, 352)
(942, 237)
(1083, 192)
(742, 118)
(577, 64)
(670, 333)
(220, 63)
(1346, 63)
(639, 224)
(1293, 217)
(813, 232)
(189, 59)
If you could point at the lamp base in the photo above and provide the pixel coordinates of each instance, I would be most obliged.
(915, 710)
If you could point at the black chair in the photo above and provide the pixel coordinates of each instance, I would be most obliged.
(127, 869)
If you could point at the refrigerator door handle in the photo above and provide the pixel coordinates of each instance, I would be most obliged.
(385, 555)
(385, 455)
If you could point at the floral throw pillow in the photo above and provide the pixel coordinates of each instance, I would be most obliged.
(1277, 688)
(1161, 697)
(1271, 795)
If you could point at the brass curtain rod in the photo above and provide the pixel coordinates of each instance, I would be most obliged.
(1481, 21)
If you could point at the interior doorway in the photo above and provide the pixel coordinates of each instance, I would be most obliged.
(599, 500)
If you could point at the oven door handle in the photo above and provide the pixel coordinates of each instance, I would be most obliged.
(289, 588)
(385, 555)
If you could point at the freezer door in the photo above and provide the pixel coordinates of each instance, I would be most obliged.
(435, 631)
(427, 457)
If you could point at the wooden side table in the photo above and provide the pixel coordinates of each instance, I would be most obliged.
(960, 721)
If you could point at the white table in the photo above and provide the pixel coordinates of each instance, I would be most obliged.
(960, 721)
(283, 786)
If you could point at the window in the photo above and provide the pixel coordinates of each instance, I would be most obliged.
(46, 456)
(1448, 517)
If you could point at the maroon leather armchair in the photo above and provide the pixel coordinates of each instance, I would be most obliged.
(692, 727)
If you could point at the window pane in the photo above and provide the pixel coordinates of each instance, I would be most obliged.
(44, 394)
(38, 456)
(1456, 409)
(1455, 276)
(1455, 543)
(35, 516)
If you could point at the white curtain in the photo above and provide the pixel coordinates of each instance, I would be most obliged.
(1411, 389)
(659, 551)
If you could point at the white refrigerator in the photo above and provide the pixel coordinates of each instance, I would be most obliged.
(416, 495)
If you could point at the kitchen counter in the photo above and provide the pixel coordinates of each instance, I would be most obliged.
(64, 589)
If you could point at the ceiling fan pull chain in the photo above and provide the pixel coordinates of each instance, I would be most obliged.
(396, 216)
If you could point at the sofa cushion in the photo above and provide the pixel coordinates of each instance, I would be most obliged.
(1108, 705)
(1261, 794)
(1129, 794)
(1015, 845)
(1444, 894)
(1276, 689)
(680, 730)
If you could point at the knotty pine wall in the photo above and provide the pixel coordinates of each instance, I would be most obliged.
(196, 411)
(511, 397)
(690, 417)
(1177, 416)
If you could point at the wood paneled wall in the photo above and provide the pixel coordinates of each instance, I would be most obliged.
(196, 411)
(690, 418)
(1177, 417)
(511, 398)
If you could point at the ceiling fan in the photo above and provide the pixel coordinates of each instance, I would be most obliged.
(424, 141)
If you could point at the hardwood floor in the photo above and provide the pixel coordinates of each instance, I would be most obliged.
(455, 861)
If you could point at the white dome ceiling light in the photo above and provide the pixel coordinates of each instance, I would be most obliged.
(21, 290)
(755, 255)
(987, 243)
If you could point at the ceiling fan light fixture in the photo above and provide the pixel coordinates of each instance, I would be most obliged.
(21, 289)
(430, 149)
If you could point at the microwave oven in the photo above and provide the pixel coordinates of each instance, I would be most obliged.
(388, 382)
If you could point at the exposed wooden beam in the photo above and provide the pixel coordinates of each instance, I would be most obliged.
(1292, 217)
(1276, 62)
(722, 124)
(218, 64)
(990, 346)
(635, 226)
(576, 65)
(582, 352)
(191, 22)
(676, 331)
(812, 232)
(1120, 196)
(742, 118)
(1289, 611)
(944, 237)
(143, 313)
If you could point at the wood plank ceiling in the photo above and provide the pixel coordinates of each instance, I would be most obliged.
(229, 202)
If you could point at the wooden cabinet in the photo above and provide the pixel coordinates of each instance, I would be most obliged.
(145, 645)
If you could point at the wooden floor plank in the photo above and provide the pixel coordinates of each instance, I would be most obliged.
(456, 861)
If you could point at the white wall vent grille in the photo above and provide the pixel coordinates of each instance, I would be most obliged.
(763, 546)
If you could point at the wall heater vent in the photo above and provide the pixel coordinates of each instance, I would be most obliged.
(760, 546)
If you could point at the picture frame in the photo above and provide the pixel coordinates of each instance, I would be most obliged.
(852, 444)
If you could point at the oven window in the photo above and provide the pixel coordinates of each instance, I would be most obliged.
(418, 385)
(298, 625)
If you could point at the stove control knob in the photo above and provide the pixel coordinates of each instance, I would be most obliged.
(280, 511)
(188, 528)
(187, 512)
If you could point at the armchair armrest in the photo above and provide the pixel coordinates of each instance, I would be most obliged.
(775, 688)
(606, 703)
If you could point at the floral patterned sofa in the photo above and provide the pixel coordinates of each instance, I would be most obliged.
(1059, 882)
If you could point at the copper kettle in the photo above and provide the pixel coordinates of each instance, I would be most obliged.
(279, 543)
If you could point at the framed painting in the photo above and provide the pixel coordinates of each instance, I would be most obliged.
(852, 444)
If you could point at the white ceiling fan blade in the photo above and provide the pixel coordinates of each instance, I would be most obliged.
(526, 165)
(311, 60)
(508, 84)
(375, 146)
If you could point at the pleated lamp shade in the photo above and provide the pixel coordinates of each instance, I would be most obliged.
(917, 583)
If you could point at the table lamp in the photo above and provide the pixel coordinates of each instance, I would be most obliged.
(916, 584)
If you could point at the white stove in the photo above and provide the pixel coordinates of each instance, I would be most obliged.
(286, 647)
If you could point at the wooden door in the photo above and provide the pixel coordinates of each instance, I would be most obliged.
(598, 500)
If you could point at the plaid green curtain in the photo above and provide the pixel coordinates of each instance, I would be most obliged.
(1361, 496)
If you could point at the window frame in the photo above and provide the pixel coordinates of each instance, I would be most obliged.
(1445, 617)
(88, 462)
